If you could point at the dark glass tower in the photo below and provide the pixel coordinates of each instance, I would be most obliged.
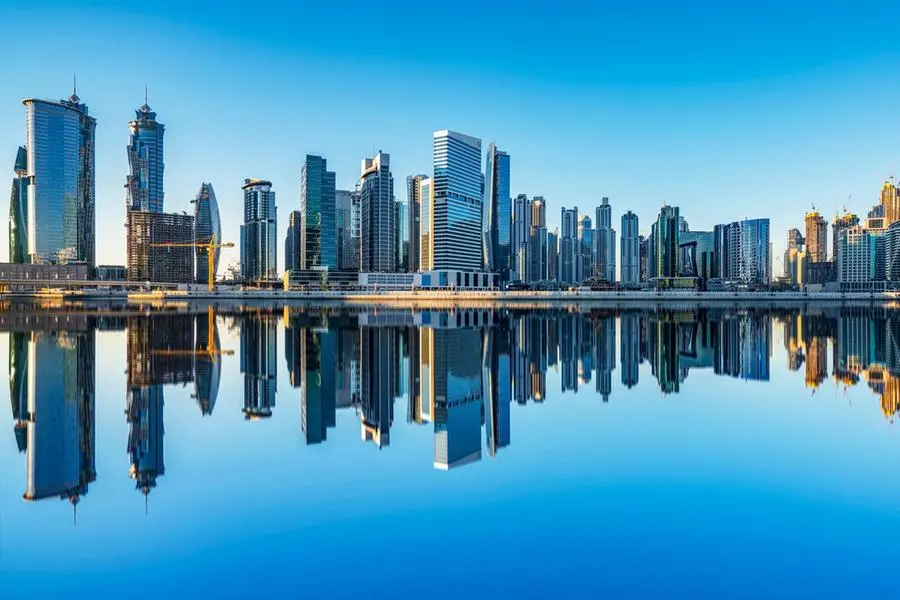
(207, 226)
(144, 185)
(497, 220)
(318, 244)
(18, 211)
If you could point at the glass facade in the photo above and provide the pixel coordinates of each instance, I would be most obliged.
(18, 211)
(318, 230)
(665, 258)
(144, 185)
(61, 189)
(258, 233)
(605, 253)
(208, 226)
(630, 252)
(426, 239)
(378, 214)
(497, 220)
(458, 202)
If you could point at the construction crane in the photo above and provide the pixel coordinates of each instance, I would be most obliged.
(210, 351)
(211, 246)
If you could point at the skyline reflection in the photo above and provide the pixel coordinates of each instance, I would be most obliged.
(458, 372)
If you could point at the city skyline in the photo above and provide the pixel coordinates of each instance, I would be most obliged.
(809, 89)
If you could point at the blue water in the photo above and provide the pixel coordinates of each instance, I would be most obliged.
(756, 456)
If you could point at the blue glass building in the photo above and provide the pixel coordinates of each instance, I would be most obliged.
(144, 184)
(318, 232)
(18, 210)
(258, 233)
(207, 227)
(379, 234)
(630, 252)
(497, 220)
(457, 201)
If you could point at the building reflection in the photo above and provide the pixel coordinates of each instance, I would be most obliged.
(258, 364)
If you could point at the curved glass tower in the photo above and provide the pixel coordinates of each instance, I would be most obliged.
(207, 226)
(18, 211)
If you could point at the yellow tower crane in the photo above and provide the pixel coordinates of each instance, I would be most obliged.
(210, 246)
(210, 351)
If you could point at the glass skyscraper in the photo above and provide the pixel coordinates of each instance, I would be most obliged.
(258, 233)
(426, 225)
(414, 208)
(605, 243)
(144, 185)
(630, 251)
(207, 226)
(292, 242)
(318, 246)
(457, 201)
(18, 210)
(61, 189)
(378, 213)
(665, 250)
(497, 219)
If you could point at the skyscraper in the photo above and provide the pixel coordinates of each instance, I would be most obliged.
(378, 214)
(258, 233)
(402, 236)
(347, 218)
(741, 251)
(521, 237)
(585, 266)
(414, 208)
(568, 246)
(18, 210)
(841, 222)
(890, 202)
(61, 189)
(665, 247)
(292, 242)
(817, 237)
(630, 251)
(147, 260)
(537, 248)
(792, 253)
(497, 213)
(144, 185)
(426, 225)
(379, 358)
(258, 364)
(207, 227)
(458, 201)
(553, 255)
(605, 243)
(318, 245)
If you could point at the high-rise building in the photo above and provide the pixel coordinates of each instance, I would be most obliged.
(426, 225)
(892, 252)
(841, 222)
(18, 210)
(414, 208)
(292, 242)
(458, 201)
(857, 257)
(497, 213)
(741, 251)
(379, 358)
(605, 253)
(318, 246)
(378, 214)
(630, 274)
(645, 254)
(816, 237)
(148, 259)
(585, 266)
(792, 253)
(553, 255)
(630, 347)
(665, 245)
(569, 251)
(347, 215)
(890, 202)
(144, 184)
(61, 188)
(259, 231)
(402, 236)
(523, 210)
(208, 227)
(318, 364)
(498, 388)
(697, 254)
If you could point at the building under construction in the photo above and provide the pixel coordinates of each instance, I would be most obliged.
(148, 259)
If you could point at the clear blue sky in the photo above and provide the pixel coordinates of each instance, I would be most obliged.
(728, 110)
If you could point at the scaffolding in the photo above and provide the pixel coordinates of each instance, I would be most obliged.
(147, 261)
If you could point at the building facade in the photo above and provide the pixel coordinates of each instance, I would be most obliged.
(61, 187)
(521, 238)
(144, 184)
(858, 250)
(378, 214)
(890, 202)
(841, 222)
(665, 246)
(605, 253)
(630, 253)
(347, 216)
(292, 242)
(742, 252)
(569, 251)
(414, 208)
(458, 201)
(497, 218)
(585, 266)
(318, 246)
(148, 258)
(816, 237)
(208, 228)
(259, 231)
(426, 225)
(18, 210)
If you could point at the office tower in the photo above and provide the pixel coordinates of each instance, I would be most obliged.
(292, 242)
(426, 225)
(18, 210)
(61, 189)
(208, 228)
(259, 365)
(497, 213)
(816, 237)
(402, 236)
(630, 348)
(569, 252)
(553, 255)
(379, 358)
(452, 382)
(458, 201)
(60, 439)
(645, 254)
(497, 378)
(741, 251)
(258, 233)
(630, 273)
(414, 208)
(144, 184)
(537, 253)
(605, 255)
(347, 219)
(585, 266)
(665, 246)
(318, 364)
(857, 252)
(521, 237)
(890, 202)
(792, 253)
(840, 223)
(892, 252)
(378, 214)
(148, 258)
(697, 250)
(318, 244)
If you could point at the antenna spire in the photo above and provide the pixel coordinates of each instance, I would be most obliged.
(145, 93)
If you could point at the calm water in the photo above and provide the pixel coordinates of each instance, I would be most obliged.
(467, 454)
